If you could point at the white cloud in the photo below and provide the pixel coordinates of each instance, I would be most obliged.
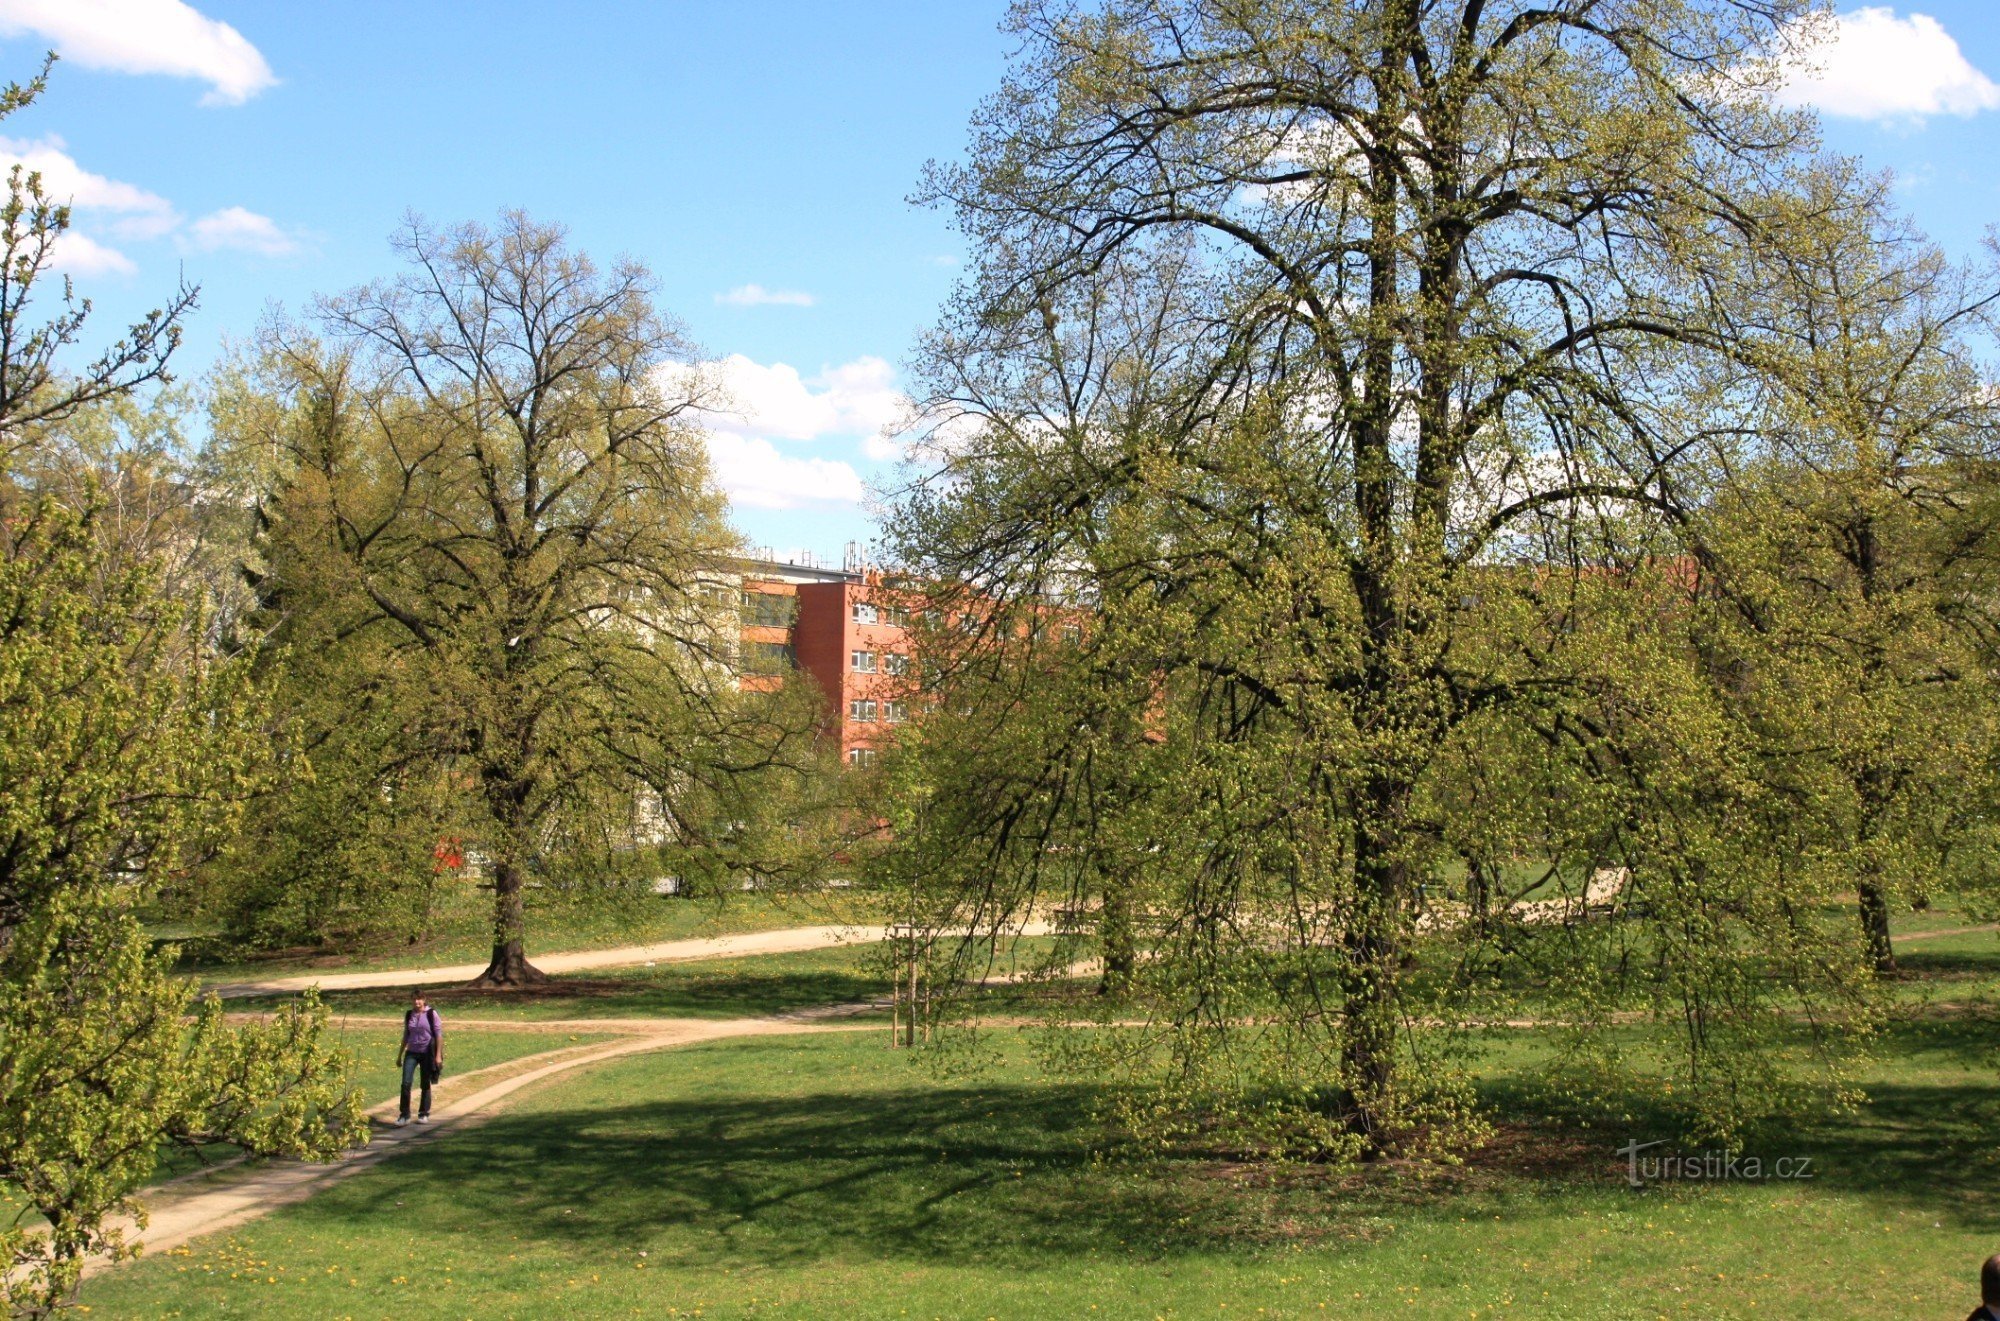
(235, 227)
(142, 214)
(78, 254)
(767, 409)
(885, 447)
(757, 476)
(756, 295)
(145, 36)
(1875, 65)
(1319, 145)
(857, 398)
(146, 225)
(132, 213)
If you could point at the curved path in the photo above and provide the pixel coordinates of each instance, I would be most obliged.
(787, 940)
(209, 1201)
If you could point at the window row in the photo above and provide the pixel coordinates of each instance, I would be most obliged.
(889, 662)
(866, 710)
(967, 622)
(866, 613)
(768, 609)
(767, 658)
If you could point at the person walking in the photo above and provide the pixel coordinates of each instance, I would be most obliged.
(422, 1053)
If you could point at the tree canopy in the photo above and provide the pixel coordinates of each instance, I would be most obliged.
(1373, 376)
(126, 752)
(487, 475)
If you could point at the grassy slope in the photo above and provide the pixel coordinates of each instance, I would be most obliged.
(824, 1176)
(464, 935)
(705, 988)
(377, 1078)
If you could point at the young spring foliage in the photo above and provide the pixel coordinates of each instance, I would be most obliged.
(125, 751)
(484, 482)
(1372, 379)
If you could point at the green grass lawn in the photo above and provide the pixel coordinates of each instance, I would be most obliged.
(464, 934)
(1523, 880)
(702, 988)
(827, 1176)
(377, 1078)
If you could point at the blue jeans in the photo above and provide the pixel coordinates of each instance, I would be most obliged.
(418, 1065)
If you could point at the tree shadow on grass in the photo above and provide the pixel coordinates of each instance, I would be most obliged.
(1926, 1146)
(996, 1175)
(681, 992)
(1968, 1040)
(1921, 964)
(1920, 1143)
(1003, 1173)
(991, 1175)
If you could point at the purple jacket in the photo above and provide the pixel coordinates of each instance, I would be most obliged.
(422, 1032)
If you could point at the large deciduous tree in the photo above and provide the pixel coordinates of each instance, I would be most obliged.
(1361, 368)
(1842, 545)
(489, 471)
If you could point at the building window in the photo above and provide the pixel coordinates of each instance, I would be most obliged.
(861, 756)
(863, 662)
(1072, 634)
(861, 709)
(766, 658)
(895, 712)
(769, 609)
(895, 662)
(897, 615)
(864, 613)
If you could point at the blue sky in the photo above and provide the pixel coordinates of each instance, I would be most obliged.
(755, 154)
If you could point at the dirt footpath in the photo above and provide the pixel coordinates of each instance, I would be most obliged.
(211, 1201)
(790, 940)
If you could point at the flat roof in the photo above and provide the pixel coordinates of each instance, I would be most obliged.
(774, 570)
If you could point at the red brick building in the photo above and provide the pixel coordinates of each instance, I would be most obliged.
(842, 627)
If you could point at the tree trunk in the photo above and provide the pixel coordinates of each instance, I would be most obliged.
(510, 966)
(1369, 977)
(1372, 972)
(1368, 1042)
(1115, 934)
(1478, 896)
(1875, 927)
(1875, 780)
